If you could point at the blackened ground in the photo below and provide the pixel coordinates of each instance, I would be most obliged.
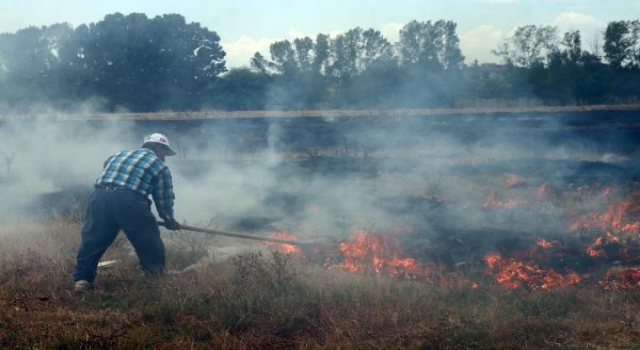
(564, 150)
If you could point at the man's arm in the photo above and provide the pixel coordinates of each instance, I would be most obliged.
(164, 198)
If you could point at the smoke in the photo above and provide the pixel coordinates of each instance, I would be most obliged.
(322, 177)
(48, 157)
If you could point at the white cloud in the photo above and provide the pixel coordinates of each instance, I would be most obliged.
(391, 31)
(294, 33)
(478, 42)
(240, 52)
(586, 24)
(591, 29)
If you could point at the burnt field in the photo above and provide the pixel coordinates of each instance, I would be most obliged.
(508, 223)
(444, 190)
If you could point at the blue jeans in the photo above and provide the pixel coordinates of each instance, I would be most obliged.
(109, 211)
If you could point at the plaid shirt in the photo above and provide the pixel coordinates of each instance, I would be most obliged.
(141, 171)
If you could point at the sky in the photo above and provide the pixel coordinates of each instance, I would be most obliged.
(249, 26)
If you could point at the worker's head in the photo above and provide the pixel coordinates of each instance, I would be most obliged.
(159, 144)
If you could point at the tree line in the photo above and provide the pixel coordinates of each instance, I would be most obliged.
(140, 64)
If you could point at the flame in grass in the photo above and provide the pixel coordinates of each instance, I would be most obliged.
(513, 180)
(544, 244)
(617, 218)
(513, 273)
(377, 253)
(492, 202)
(596, 249)
(621, 278)
(366, 252)
(374, 253)
(283, 247)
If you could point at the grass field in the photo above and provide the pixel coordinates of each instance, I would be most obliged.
(258, 299)
(451, 232)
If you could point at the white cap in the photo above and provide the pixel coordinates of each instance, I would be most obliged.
(161, 139)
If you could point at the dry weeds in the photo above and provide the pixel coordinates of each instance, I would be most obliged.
(265, 300)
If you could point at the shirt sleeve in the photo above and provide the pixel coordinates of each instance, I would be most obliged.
(106, 162)
(163, 195)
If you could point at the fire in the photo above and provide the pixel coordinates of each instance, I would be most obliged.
(595, 249)
(378, 253)
(513, 273)
(622, 278)
(366, 252)
(536, 267)
(542, 189)
(492, 202)
(285, 248)
(512, 180)
(615, 219)
(544, 244)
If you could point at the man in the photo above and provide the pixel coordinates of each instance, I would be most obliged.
(120, 201)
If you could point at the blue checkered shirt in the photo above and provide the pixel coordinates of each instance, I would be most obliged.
(141, 171)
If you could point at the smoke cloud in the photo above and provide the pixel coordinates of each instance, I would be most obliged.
(321, 177)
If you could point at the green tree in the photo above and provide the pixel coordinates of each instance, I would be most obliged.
(452, 55)
(240, 89)
(621, 45)
(145, 64)
(422, 44)
(430, 60)
(28, 63)
(362, 67)
(528, 45)
(295, 72)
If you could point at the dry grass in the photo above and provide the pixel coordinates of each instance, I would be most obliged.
(264, 300)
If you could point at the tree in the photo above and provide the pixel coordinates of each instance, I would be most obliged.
(240, 89)
(360, 65)
(452, 56)
(295, 72)
(28, 63)
(621, 43)
(345, 51)
(528, 45)
(430, 61)
(422, 44)
(145, 64)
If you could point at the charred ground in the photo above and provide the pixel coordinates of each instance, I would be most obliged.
(500, 230)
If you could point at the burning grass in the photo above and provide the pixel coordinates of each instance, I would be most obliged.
(268, 299)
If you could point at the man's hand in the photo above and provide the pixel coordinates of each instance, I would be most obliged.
(172, 224)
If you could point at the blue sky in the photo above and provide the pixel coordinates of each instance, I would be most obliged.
(247, 26)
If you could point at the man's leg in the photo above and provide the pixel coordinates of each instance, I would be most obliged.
(98, 233)
(139, 224)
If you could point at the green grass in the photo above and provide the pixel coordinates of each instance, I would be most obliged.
(265, 300)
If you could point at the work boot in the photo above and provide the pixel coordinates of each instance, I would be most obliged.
(83, 286)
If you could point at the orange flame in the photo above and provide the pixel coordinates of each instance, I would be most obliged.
(542, 190)
(544, 244)
(492, 202)
(282, 247)
(366, 252)
(512, 274)
(595, 249)
(512, 180)
(612, 220)
(621, 278)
